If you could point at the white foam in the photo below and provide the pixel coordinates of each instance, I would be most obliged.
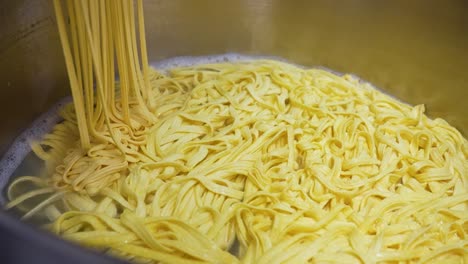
(185, 61)
(21, 145)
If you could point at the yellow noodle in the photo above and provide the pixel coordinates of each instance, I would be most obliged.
(297, 165)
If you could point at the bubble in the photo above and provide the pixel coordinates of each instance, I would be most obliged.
(186, 61)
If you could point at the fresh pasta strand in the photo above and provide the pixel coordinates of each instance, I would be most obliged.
(296, 165)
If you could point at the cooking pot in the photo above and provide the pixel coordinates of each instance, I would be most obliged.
(414, 50)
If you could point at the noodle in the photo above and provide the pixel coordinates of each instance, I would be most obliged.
(297, 165)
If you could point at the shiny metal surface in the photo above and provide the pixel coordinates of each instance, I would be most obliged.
(415, 50)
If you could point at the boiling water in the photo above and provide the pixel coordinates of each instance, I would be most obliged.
(18, 160)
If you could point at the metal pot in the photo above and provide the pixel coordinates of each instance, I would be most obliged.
(415, 50)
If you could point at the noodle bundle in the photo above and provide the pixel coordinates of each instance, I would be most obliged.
(294, 165)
